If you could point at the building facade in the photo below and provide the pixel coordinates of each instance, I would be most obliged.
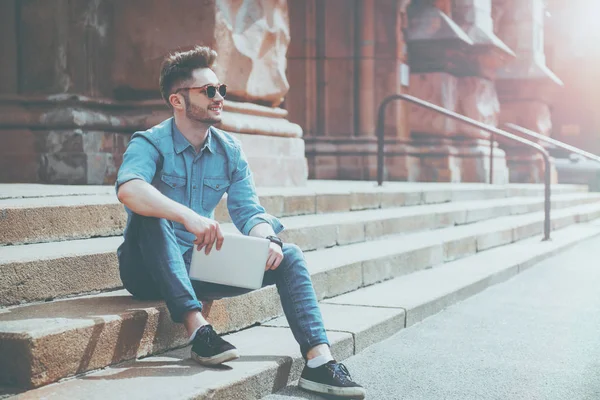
(306, 78)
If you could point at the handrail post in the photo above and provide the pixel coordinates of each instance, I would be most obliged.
(547, 177)
(380, 142)
(491, 158)
(468, 121)
(381, 136)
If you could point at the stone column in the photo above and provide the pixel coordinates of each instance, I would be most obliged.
(367, 117)
(437, 47)
(322, 96)
(454, 54)
(88, 78)
(477, 97)
(526, 85)
(347, 56)
(392, 76)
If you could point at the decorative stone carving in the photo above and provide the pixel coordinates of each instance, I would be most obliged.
(252, 38)
(435, 42)
(477, 99)
(522, 29)
(526, 85)
(488, 52)
(438, 88)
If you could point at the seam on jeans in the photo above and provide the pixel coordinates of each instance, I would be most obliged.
(302, 329)
(311, 341)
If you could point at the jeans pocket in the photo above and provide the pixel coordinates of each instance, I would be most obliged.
(214, 189)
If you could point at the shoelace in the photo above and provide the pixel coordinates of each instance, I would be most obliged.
(211, 337)
(341, 371)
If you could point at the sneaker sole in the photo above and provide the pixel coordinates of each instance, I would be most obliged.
(218, 359)
(351, 392)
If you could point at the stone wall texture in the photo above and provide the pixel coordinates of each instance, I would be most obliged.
(84, 77)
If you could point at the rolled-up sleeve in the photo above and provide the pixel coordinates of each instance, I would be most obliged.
(243, 203)
(139, 161)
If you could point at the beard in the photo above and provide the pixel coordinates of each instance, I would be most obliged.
(199, 114)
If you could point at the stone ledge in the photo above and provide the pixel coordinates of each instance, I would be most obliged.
(73, 139)
(313, 186)
(75, 111)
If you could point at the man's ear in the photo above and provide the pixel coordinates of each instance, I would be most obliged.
(176, 101)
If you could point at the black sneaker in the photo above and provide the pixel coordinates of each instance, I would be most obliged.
(331, 378)
(208, 348)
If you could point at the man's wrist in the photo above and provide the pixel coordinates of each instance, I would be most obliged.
(261, 230)
(183, 214)
(276, 240)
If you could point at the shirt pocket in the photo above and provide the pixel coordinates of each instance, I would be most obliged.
(214, 188)
(174, 187)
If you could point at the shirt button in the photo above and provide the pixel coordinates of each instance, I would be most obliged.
(217, 186)
(195, 186)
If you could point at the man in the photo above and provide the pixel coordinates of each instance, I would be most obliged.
(172, 177)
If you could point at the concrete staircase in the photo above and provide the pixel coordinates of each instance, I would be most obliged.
(63, 313)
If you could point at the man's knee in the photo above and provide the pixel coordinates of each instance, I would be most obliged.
(293, 258)
(291, 250)
(154, 230)
(153, 223)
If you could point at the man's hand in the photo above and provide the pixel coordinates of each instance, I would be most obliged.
(275, 257)
(207, 231)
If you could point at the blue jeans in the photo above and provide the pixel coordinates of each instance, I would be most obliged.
(152, 267)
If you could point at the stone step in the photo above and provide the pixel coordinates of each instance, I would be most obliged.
(45, 213)
(427, 292)
(45, 271)
(29, 190)
(270, 357)
(100, 330)
(312, 232)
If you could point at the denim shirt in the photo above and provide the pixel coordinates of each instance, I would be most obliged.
(163, 157)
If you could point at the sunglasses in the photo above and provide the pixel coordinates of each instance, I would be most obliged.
(211, 90)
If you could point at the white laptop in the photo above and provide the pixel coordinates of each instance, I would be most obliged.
(240, 262)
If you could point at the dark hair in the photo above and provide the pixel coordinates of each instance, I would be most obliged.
(178, 67)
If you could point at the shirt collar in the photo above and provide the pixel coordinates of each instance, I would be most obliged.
(208, 144)
(181, 143)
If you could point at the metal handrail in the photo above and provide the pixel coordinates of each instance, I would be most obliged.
(468, 121)
(555, 142)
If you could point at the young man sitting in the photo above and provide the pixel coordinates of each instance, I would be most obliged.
(172, 178)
